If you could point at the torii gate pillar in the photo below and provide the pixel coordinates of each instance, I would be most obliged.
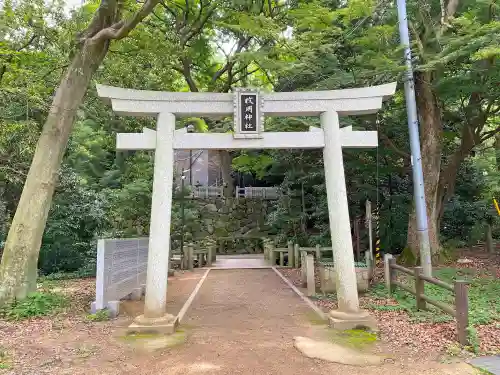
(348, 315)
(249, 108)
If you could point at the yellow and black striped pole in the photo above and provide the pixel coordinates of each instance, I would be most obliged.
(496, 206)
(378, 256)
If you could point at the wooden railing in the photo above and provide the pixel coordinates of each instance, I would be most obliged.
(274, 252)
(460, 311)
(257, 192)
(192, 252)
(317, 251)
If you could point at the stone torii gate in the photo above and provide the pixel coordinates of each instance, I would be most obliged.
(248, 108)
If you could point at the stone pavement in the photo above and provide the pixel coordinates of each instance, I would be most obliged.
(243, 261)
(491, 364)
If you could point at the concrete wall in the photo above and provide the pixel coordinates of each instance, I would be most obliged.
(121, 271)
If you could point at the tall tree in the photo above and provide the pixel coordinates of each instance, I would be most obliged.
(112, 20)
(457, 97)
(216, 45)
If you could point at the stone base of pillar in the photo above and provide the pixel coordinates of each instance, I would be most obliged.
(166, 324)
(359, 320)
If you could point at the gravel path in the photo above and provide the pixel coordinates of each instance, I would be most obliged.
(241, 322)
(244, 321)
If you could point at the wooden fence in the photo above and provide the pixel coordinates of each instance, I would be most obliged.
(272, 254)
(461, 308)
(192, 252)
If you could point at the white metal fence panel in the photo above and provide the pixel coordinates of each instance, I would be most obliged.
(121, 270)
(265, 192)
(205, 192)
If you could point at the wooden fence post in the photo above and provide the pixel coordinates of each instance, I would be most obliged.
(462, 308)
(419, 288)
(311, 280)
(369, 263)
(303, 268)
(318, 253)
(272, 255)
(209, 255)
(387, 271)
(282, 259)
(392, 275)
(290, 254)
(296, 256)
(185, 257)
(190, 258)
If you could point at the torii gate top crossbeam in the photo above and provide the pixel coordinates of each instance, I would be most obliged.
(356, 101)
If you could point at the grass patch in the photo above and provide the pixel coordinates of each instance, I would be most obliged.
(79, 274)
(5, 360)
(483, 297)
(100, 316)
(34, 305)
(354, 338)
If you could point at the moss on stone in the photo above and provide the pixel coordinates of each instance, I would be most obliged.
(313, 318)
(407, 258)
(154, 341)
(354, 338)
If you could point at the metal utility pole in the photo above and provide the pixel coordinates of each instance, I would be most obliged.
(183, 219)
(190, 129)
(418, 174)
(190, 167)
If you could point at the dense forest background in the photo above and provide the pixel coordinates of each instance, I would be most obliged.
(202, 45)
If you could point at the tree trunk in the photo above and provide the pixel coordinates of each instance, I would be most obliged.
(497, 151)
(430, 137)
(490, 247)
(18, 270)
(225, 165)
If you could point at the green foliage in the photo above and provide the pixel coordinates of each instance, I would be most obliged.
(99, 316)
(483, 295)
(474, 343)
(5, 361)
(215, 46)
(257, 164)
(76, 218)
(35, 305)
(88, 270)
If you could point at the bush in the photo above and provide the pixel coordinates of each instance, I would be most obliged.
(34, 305)
(75, 218)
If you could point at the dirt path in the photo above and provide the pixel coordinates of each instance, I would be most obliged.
(241, 322)
(244, 321)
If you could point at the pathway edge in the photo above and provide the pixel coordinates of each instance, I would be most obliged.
(311, 304)
(189, 301)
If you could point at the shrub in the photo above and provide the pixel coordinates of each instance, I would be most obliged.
(34, 305)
